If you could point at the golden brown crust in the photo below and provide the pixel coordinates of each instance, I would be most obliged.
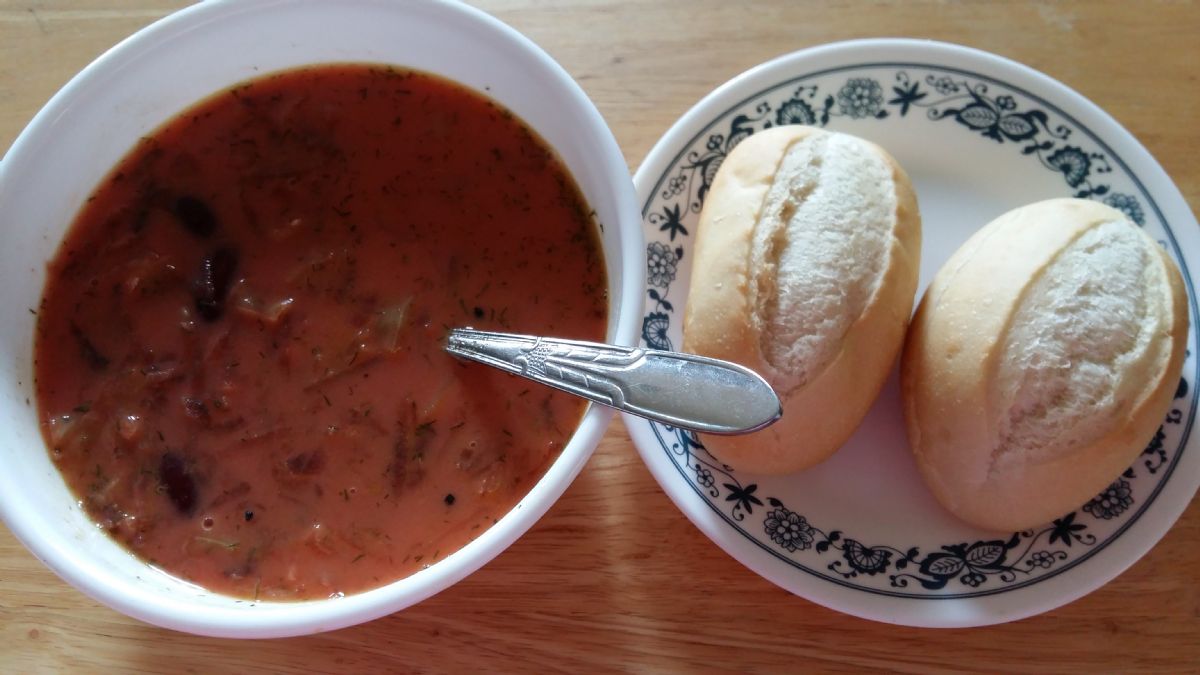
(951, 357)
(822, 414)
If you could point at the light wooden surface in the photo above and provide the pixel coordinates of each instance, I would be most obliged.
(614, 577)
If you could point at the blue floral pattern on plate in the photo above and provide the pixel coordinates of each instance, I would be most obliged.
(991, 112)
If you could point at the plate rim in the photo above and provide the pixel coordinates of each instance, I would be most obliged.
(1119, 550)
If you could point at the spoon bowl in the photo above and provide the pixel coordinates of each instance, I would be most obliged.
(686, 391)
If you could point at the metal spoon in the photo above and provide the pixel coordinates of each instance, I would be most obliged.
(682, 390)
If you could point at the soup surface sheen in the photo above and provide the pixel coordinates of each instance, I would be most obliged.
(239, 349)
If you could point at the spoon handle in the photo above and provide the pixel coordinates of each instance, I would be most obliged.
(682, 390)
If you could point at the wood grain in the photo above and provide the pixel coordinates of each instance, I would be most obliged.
(614, 577)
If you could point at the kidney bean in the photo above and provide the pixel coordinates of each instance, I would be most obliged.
(195, 216)
(212, 285)
(179, 482)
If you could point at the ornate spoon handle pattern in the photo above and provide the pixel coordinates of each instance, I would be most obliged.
(682, 390)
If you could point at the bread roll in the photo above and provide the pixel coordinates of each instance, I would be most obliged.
(1040, 362)
(806, 263)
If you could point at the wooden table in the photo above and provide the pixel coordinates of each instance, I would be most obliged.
(614, 577)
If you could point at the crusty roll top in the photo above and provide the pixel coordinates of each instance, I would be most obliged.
(805, 269)
(1041, 360)
(818, 251)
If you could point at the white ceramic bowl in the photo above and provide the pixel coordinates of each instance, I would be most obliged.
(141, 83)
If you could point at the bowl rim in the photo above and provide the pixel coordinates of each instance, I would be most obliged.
(281, 619)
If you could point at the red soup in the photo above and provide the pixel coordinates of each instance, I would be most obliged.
(239, 349)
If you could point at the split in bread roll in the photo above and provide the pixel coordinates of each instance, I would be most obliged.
(805, 269)
(1040, 362)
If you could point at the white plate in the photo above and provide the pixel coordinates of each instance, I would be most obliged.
(979, 135)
